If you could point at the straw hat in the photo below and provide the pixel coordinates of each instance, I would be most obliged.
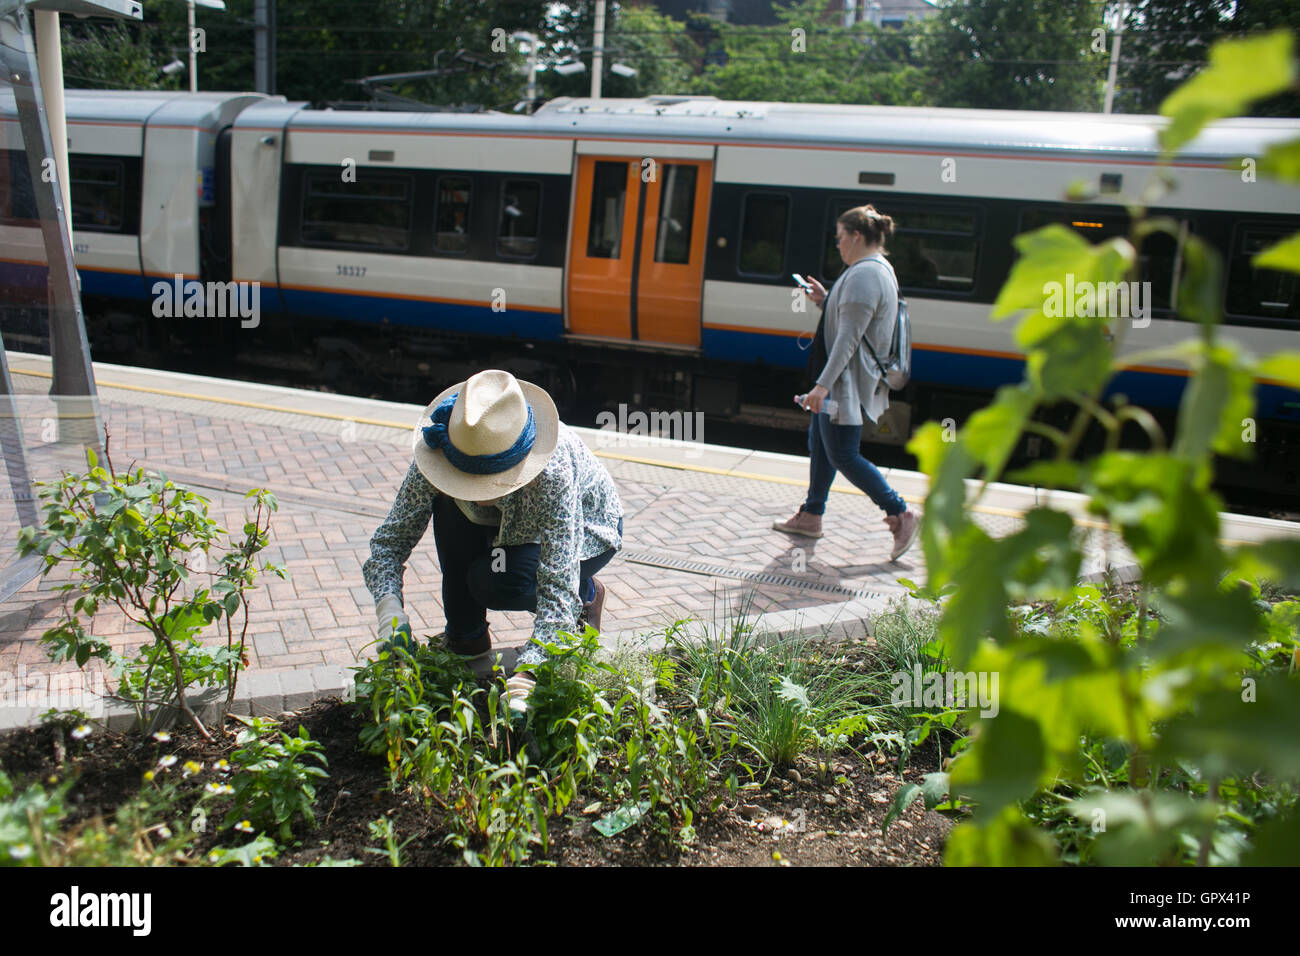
(473, 441)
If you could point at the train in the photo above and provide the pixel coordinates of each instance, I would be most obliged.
(634, 247)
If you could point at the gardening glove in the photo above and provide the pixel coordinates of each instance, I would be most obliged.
(387, 609)
(518, 690)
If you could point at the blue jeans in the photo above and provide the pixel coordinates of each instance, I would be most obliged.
(470, 584)
(834, 448)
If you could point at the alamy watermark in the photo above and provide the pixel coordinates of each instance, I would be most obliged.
(192, 299)
(916, 688)
(128, 910)
(81, 691)
(1086, 299)
(638, 429)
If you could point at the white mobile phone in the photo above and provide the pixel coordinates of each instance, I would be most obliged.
(803, 283)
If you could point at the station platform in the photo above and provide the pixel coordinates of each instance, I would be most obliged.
(698, 542)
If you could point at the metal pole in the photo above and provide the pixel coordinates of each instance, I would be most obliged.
(51, 69)
(73, 381)
(271, 58)
(532, 73)
(1114, 59)
(598, 53)
(194, 57)
(261, 47)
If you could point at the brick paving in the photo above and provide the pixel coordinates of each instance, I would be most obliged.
(697, 545)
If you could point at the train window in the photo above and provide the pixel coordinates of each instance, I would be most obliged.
(521, 203)
(374, 211)
(608, 197)
(1266, 293)
(676, 213)
(930, 249)
(17, 201)
(1159, 258)
(762, 234)
(97, 194)
(934, 250)
(451, 218)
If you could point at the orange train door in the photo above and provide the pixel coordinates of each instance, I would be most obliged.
(636, 266)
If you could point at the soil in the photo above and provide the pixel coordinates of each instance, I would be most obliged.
(827, 823)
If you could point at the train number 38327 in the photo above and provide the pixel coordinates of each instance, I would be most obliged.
(357, 271)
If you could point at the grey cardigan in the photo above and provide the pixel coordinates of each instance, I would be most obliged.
(863, 300)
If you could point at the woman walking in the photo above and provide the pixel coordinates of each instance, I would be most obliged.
(863, 302)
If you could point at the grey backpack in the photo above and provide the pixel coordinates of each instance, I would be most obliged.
(897, 370)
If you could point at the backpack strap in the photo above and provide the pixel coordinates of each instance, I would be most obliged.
(899, 294)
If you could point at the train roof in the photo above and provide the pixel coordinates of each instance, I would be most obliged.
(707, 119)
(137, 106)
(711, 120)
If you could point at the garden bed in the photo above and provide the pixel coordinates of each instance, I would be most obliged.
(828, 823)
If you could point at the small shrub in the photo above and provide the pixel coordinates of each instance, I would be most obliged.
(135, 541)
(273, 787)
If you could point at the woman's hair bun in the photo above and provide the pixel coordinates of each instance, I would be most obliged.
(874, 226)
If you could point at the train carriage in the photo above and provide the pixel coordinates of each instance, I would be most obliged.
(644, 247)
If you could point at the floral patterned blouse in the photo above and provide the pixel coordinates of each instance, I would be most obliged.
(571, 509)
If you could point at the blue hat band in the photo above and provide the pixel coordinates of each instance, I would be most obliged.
(437, 438)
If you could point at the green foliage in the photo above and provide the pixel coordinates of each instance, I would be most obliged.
(1142, 727)
(148, 829)
(259, 851)
(809, 58)
(498, 777)
(1013, 54)
(1240, 72)
(383, 830)
(113, 55)
(781, 698)
(658, 47)
(274, 784)
(424, 715)
(141, 543)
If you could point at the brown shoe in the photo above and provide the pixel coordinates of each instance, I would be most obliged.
(591, 609)
(904, 527)
(802, 523)
(470, 650)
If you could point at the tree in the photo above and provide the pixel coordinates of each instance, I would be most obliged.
(1013, 54)
(322, 48)
(110, 54)
(811, 58)
(1252, 16)
(1164, 43)
(654, 45)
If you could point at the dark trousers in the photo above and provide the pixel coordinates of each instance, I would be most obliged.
(475, 579)
(834, 448)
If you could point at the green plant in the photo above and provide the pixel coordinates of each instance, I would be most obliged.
(498, 779)
(1177, 685)
(781, 698)
(273, 786)
(383, 830)
(403, 694)
(597, 719)
(452, 742)
(906, 636)
(259, 851)
(148, 829)
(134, 541)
